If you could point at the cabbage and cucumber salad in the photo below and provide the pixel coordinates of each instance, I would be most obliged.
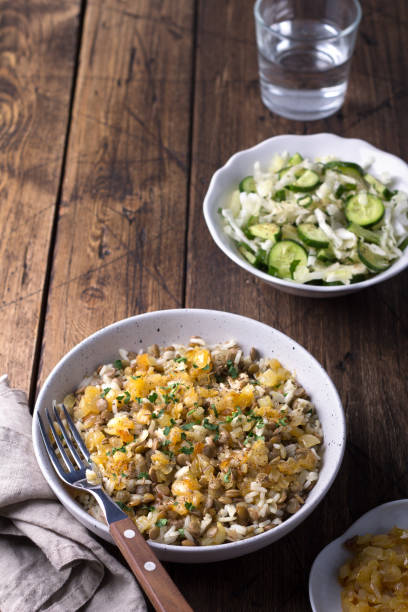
(319, 222)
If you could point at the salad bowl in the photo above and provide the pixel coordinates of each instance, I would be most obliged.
(240, 165)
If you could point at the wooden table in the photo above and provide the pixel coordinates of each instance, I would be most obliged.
(114, 115)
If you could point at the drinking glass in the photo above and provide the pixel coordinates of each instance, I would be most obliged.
(304, 54)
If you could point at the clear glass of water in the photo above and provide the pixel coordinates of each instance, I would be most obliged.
(304, 54)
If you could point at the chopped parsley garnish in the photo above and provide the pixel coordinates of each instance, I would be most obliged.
(121, 449)
(283, 422)
(232, 370)
(148, 508)
(206, 368)
(105, 391)
(181, 531)
(124, 475)
(187, 450)
(158, 415)
(180, 360)
(135, 377)
(167, 429)
(215, 410)
(227, 476)
(189, 506)
(195, 365)
(119, 398)
(187, 426)
(190, 412)
(127, 398)
(118, 364)
(161, 522)
(142, 475)
(152, 397)
(210, 426)
(123, 506)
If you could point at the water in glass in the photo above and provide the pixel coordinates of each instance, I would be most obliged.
(303, 68)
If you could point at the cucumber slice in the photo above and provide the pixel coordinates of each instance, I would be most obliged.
(347, 168)
(293, 161)
(380, 188)
(248, 185)
(374, 262)
(312, 236)
(364, 209)
(251, 221)
(362, 232)
(307, 181)
(247, 253)
(403, 245)
(266, 231)
(289, 232)
(326, 255)
(279, 196)
(305, 201)
(342, 189)
(285, 256)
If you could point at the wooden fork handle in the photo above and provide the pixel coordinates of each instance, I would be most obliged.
(151, 575)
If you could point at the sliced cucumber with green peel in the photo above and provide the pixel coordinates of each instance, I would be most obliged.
(285, 256)
(289, 232)
(326, 255)
(312, 236)
(373, 261)
(266, 231)
(347, 168)
(253, 220)
(305, 201)
(364, 209)
(292, 161)
(248, 185)
(345, 188)
(403, 245)
(362, 232)
(380, 188)
(247, 253)
(307, 181)
(279, 195)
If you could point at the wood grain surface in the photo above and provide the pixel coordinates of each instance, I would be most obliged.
(121, 228)
(165, 92)
(37, 61)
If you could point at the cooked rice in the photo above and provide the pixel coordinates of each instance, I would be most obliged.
(198, 444)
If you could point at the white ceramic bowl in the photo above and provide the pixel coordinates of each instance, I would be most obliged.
(226, 179)
(164, 328)
(324, 588)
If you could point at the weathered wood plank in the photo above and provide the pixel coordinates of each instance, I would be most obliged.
(37, 52)
(361, 339)
(121, 231)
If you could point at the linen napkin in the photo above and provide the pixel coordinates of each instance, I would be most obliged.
(48, 560)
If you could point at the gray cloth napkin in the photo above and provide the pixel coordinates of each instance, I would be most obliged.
(48, 560)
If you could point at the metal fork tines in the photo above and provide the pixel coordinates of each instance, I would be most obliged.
(78, 463)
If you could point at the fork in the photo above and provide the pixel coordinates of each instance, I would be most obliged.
(151, 575)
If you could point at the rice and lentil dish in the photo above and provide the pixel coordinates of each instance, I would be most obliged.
(199, 445)
(376, 577)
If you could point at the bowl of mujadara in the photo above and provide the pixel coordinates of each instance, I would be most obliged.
(215, 433)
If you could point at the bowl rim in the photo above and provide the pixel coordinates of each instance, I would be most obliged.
(75, 508)
(313, 290)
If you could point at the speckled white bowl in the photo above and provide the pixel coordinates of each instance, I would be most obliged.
(324, 587)
(226, 179)
(164, 328)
